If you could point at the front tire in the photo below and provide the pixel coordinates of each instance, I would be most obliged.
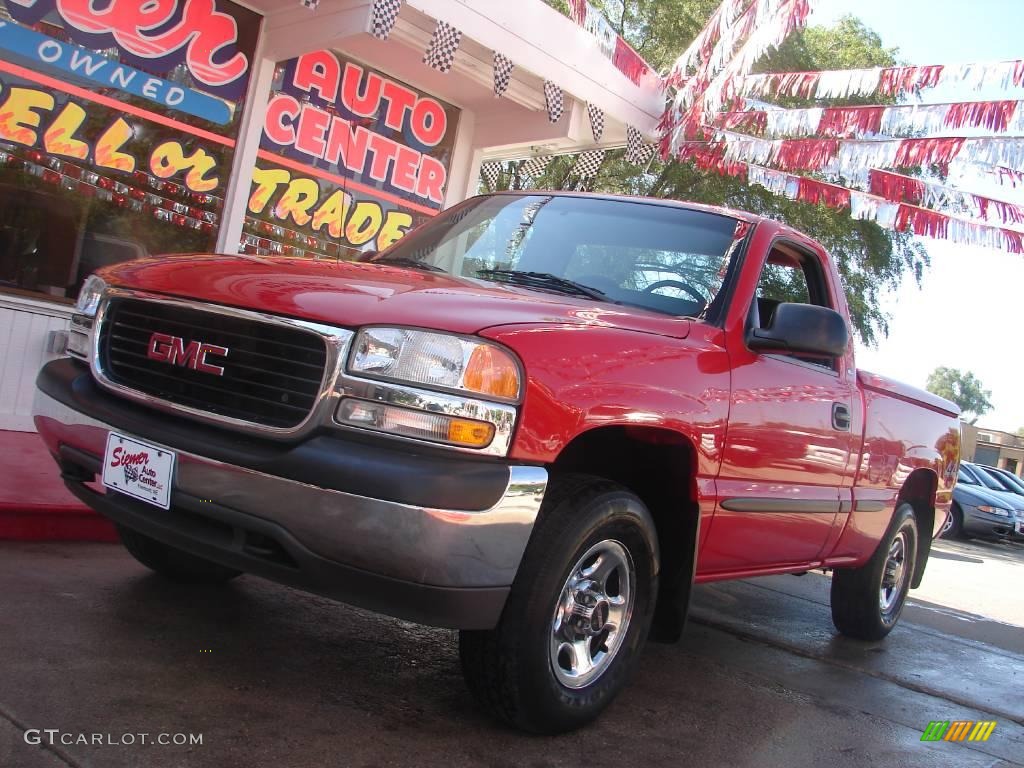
(954, 527)
(578, 613)
(173, 564)
(867, 601)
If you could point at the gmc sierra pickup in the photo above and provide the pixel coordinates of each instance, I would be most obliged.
(538, 419)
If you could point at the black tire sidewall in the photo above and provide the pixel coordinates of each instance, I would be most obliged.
(856, 611)
(615, 515)
(907, 523)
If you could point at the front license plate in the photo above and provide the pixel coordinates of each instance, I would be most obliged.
(138, 469)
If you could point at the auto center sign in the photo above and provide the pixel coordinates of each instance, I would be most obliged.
(351, 152)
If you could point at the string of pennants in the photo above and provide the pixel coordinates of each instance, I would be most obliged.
(499, 174)
(719, 119)
(864, 121)
(444, 44)
(885, 81)
(887, 213)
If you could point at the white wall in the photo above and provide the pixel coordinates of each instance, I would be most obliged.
(25, 326)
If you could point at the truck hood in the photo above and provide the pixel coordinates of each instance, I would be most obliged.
(353, 294)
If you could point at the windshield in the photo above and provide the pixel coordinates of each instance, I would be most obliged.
(659, 257)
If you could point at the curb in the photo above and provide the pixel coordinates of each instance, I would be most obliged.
(56, 522)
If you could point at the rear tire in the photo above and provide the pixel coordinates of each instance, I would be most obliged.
(578, 613)
(867, 601)
(173, 564)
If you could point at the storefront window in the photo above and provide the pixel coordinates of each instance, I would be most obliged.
(350, 160)
(118, 123)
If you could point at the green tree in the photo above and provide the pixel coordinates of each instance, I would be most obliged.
(871, 260)
(963, 388)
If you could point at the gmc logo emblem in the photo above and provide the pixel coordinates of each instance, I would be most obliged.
(173, 351)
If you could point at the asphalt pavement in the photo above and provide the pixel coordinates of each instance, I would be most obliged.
(93, 647)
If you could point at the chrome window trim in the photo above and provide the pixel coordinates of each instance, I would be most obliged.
(336, 341)
(335, 385)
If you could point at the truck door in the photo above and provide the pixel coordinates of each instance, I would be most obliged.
(789, 442)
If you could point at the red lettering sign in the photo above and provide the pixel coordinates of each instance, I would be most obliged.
(123, 459)
(203, 34)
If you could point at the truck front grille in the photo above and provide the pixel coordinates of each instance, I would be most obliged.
(272, 374)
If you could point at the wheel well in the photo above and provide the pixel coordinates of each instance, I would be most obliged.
(919, 492)
(658, 465)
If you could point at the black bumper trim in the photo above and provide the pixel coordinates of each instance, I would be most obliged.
(241, 541)
(353, 465)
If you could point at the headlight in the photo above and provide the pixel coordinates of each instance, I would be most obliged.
(436, 360)
(994, 510)
(90, 295)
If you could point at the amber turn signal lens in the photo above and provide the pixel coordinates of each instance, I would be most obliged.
(491, 371)
(474, 434)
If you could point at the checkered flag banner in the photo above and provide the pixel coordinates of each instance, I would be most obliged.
(554, 101)
(535, 166)
(588, 163)
(385, 12)
(490, 172)
(502, 73)
(441, 53)
(311, 4)
(637, 152)
(596, 121)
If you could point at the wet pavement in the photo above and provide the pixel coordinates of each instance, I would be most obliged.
(90, 643)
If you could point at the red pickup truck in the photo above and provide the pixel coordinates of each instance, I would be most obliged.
(538, 419)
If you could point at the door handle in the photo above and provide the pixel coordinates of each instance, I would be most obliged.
(840, 417)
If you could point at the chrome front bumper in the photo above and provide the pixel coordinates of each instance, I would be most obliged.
(438, 554)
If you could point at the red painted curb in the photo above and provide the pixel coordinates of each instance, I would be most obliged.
(58, 523)
(34, 503)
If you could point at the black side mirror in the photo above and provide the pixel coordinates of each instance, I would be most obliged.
(802, 329)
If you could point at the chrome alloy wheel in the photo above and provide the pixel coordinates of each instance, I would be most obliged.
(592, 614)
(894, 574)
(947, 525)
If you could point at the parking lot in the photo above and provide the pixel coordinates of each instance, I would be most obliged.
(93, 644)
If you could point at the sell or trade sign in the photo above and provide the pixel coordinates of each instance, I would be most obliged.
(84, 132)
(293, 199)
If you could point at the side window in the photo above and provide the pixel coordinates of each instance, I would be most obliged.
(792, 277)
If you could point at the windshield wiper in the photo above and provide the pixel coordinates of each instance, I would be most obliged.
(545, 280)
(405, 261)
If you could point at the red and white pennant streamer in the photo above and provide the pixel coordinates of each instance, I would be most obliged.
(858, 122)
(699, 51)
(760, 27)
(887, 81)
(850, 156)
(897, 188)
(900, 217)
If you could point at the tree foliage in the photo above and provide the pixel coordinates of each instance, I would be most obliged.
(871, 260)
(963, 388)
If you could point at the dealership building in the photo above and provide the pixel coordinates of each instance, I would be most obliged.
(131, 129)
